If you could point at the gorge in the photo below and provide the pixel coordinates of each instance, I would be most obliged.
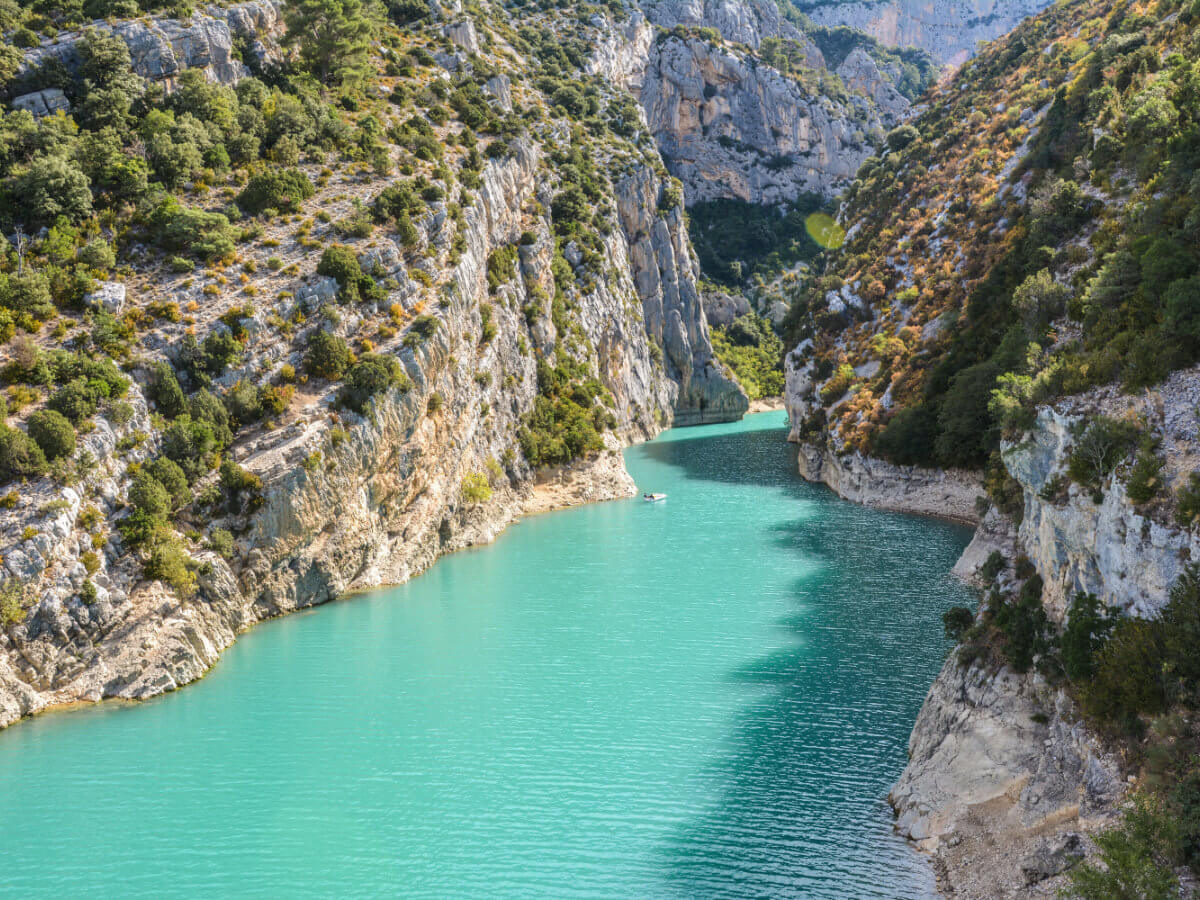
(298, 298)
(681, 699)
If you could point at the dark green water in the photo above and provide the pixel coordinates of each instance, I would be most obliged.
(707, 697)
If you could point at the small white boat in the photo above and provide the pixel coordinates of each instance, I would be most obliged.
(653, 498)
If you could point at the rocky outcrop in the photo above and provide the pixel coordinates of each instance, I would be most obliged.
(161, 48)
(859, 72)
(665, 272)
(739, 21)
(351, 502)
(948, 29)
(874, 482)
(1124, 556)
(621, 52)
(1002, 776)
(729, 127)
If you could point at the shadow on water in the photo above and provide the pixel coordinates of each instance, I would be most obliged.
(808, 765)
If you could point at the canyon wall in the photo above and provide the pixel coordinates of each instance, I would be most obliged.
(351, 502)
(948, 29)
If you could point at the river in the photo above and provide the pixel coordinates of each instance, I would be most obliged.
(704, 697)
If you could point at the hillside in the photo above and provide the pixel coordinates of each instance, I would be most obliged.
(1006, 334)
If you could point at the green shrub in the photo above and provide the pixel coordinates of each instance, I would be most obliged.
(20, 457)
(501, 267)
(181, 229)
(169, 564)
(192, 444)
(370, 376)
(1188, 510)
(280, 189)
(957, 621)
(1145, 481)
(12, 603)
(149, 496)
(1087, 630)
(1099, 448)
(327, 356)
(992, 566)
(53, 433)
(220, 541)
(1136, 857)
(163, 388)
(172, 479)
(1128, 677)
(1024, 624)
(340, 263)
(423, 327)
(476, 489)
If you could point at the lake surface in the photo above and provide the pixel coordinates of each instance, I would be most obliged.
(706, 697)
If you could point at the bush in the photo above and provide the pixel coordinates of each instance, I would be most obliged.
(423, 327)
(52, 432)
(172, 479)
(1099, 449)
(20, 457)
(501, 267)
(475, 488)
(163, 388)
(149, 496)
(1128, 678)
(1188, 510)
(992, 566)
(1086, 632)
(192, 444)
(220, 541)
(1145, 481)
(1136, 857)
(327, 356)
(181, 229)
(372, 375)
(169, 564)
(280, 189)
(956, 621)
(76, 400)
(1025, 625)
(340, 263)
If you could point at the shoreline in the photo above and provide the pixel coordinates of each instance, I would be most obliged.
(1003, 783)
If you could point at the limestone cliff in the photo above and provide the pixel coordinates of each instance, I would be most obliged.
(348, 501)
(728, 126)
(161, 48)
(949, 29)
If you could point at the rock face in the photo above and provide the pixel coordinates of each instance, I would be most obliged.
(740, 21)
(161, 48)
(721, 308)
(665, 272)
(352, 502)
(1110, 549)
(43, 103)
(728, 127)
(859, 72)
(1001, 777)
(949, 29)
(873, 482)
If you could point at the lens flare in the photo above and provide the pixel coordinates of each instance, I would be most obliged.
(825, 231)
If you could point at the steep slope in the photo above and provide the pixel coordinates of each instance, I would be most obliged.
(429, 306)
(1008, 321)
(949, 29)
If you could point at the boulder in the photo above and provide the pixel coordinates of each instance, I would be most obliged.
(110, 297)
(1053, 857)
(43, 103)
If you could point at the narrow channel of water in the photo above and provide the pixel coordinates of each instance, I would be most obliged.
(706, 697)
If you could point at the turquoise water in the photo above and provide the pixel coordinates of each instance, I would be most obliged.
(707, 697)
